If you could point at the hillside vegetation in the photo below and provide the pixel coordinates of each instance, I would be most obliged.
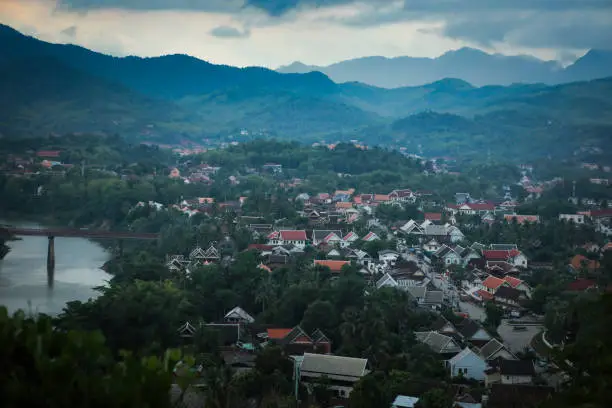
(50, 88)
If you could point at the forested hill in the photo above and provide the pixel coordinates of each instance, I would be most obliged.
(50, 88)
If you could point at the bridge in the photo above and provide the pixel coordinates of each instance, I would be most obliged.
(51, 233)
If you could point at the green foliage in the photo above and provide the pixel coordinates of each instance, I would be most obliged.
(52, 368)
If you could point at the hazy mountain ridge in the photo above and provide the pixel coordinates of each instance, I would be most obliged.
(474, 66)
(61, 88)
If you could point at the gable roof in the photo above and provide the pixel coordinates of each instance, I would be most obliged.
(506, 292)
(296, 333)
(460, 356)
(293, 235)
(334, 266)
(493, 283)
(492, 347)
(521, 219)
(436, 341)
(239, 312)
(496, 255)
(278, 334)
(512, 281)
(319, 337)
(469, 328)
(371, 236)
(326, 235)
(333, 365)
(440, 323)
(351, 236)
(384, 279)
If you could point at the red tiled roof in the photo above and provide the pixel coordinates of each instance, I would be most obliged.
(433, 216)
(350, 235)
(484, 294)
(512, 281)
(278, 334)
(334, 266)
(496, 254)
(381, 197)
(264, 267)
(341, 204)
(581, 285)
(370, 236)
(492, 282)
(293, 235)
(482, 206)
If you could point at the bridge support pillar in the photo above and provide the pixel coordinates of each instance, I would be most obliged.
(51, 261)
(120, 248)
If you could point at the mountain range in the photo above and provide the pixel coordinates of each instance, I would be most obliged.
(471, 65)
(52, 88)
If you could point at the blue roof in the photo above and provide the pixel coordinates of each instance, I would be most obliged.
(405, 401)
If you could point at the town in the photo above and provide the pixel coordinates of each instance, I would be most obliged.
(483, 278)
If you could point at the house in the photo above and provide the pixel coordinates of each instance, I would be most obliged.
(467, 364)
(575, 218)
(386, 281)
(581, 263)
(334, 266)
(494, 349)
(350, 238)
(286, 237)
(518, 395)
(343, 195)
(330, 237)
(403, 401)
(509, 296)
(505, 371)
(343, 372)
(388, 256)
(473, 332)
(443, 233)
(522, 219)
(447, 256)
(238, 315)
(518, 284)
(491, 284)
(438, 343)
(581, 285)
(174, 173)
(371, 236)
(273, 167)
(512, 256)
(297, 341)
(471, 208)
(443, 326)
(404, 196)
(431, 246)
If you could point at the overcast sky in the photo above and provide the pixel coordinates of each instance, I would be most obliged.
(277, 32)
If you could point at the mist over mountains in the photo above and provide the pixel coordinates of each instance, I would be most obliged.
(471, 65)
(54, 89)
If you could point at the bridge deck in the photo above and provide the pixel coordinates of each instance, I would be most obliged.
(81, 233)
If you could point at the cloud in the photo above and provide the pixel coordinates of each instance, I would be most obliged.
(229, 32)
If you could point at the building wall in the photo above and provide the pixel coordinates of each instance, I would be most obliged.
(516, 379)
(471, 366)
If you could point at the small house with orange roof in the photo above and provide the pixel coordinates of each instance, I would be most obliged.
(492, 283)
(334, 266)
(522, 219)
(297, 342)
(174, 173)
(580, 262)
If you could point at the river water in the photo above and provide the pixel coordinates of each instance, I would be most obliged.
(23, 272)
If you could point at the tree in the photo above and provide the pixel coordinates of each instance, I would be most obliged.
(74, 368)
(319, 315)
(321, 391)
(435, 398)
(494, 315)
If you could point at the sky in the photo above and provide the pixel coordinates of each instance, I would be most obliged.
(271, 33)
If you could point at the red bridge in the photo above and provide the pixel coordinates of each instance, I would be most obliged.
(74, 232)
(52, 233)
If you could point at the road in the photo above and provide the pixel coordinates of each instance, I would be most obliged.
(517, 340)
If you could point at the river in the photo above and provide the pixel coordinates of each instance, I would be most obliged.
(23, 272)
